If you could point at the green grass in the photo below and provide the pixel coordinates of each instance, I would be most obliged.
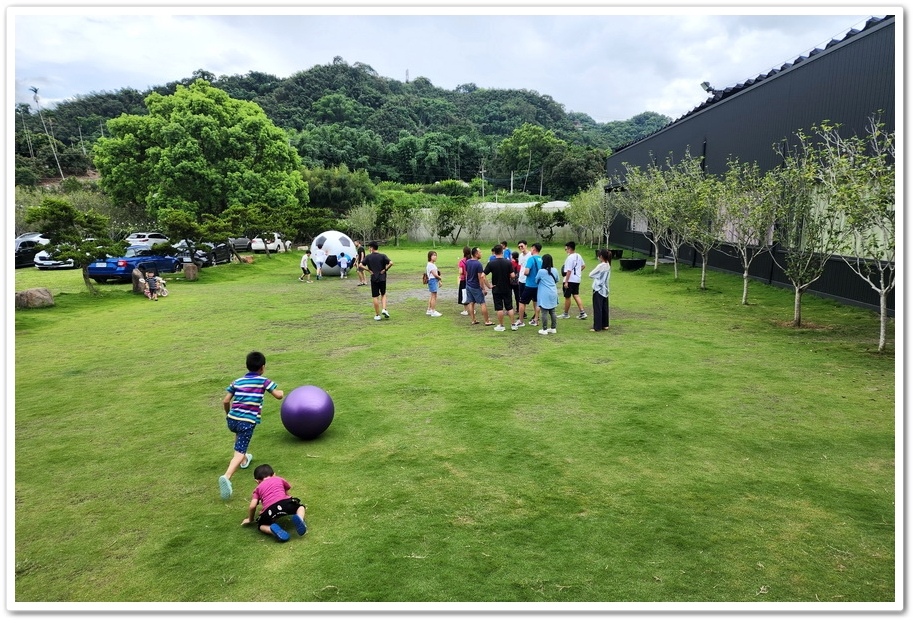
(699, 451)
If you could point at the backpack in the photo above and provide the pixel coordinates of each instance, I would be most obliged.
(425, 278)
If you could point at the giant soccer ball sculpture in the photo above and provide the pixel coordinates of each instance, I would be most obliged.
(333, 243)
(307, 411)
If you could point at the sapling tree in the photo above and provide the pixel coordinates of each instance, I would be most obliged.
(808, 225)
(858, 173)
(473, 217)
(360, 219)
(682, 192)
(511, 219)
(749, 201)
(639, 204)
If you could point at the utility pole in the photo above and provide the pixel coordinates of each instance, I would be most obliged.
(511, 182)
(482, 171)
(48, 134)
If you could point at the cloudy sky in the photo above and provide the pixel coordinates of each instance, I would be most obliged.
(610, 63)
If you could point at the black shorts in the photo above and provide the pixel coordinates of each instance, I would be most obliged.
(269, 515)
(502, 301)
(528, 295)
(570, 289)
(379, 288)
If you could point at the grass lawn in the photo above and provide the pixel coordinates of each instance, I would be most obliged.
(700, 451)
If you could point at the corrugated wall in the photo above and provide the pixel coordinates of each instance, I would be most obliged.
(847, 83)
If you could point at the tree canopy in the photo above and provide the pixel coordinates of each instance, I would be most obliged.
(346, 114)
(202, 152)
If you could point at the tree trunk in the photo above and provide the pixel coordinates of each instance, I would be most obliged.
(796, 322)
(703, 274)
(747, 277)
(882, 334)
(87, 280)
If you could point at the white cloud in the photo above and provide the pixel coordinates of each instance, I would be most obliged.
(607, 65)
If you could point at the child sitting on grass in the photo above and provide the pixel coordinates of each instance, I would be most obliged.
(152, 285)
(272, 493)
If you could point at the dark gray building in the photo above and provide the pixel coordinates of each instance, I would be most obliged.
(848, 82)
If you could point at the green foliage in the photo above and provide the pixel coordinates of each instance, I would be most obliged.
(75, 235)
(346, 114)
(544, 221)
(199, 151)
(338, 189)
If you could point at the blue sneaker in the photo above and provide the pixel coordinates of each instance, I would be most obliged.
(300, 525)
(280, 533)
(225, 488)
(246, 462)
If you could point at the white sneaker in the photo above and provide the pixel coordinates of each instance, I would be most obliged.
(583, 316)
(533, 322)
(378, 318)
(517, 324)
(464, 313)
(434, 314)
(499, 327)
(385, 313)
(513, 327)
(543, 331)
(551, 330)
(246, 462)
(429, 312)
(563, 316)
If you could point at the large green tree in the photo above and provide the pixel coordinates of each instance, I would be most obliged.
(199, 151)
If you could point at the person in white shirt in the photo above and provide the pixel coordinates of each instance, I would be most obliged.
(319, 258)
(572, 278)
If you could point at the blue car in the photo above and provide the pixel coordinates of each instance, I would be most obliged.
(136, 256)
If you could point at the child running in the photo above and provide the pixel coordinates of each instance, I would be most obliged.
(242, 403)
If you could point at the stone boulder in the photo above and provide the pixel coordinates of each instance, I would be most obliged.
(135, 277)
(190, 271)
(34, 297)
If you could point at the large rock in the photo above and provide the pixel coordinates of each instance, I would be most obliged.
(34, 297)
(190, 271)
(135, 277)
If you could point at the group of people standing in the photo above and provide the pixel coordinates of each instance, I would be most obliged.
(344, 262)
(523, 278)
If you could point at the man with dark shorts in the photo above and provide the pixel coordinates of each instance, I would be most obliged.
(378, 265)
(573, 268)
(477, 288)
(501, 273)
(530, 290)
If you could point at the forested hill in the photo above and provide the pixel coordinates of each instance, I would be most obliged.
(342, 113)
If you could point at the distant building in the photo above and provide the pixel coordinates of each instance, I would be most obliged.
(848, 82)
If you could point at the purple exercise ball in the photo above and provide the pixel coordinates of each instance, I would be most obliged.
(307, 411)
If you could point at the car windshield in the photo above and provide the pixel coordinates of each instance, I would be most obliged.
(135, 251)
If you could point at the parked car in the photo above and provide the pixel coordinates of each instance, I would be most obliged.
(241, 244)
(274, 245)
(45, 260)
(205, 253)
(26, 246)
(136, 256)
(147, 237)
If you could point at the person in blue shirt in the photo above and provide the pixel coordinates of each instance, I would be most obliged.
(548, 298)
